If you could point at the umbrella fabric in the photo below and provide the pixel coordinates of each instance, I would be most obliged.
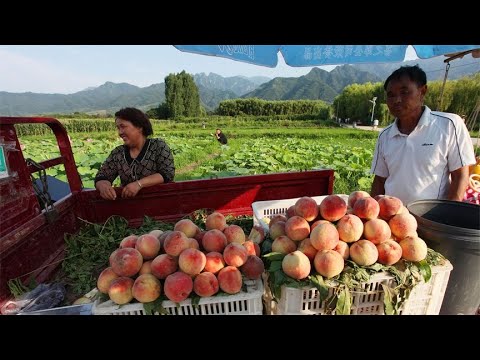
(315, 55)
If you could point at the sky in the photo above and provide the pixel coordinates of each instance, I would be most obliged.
(66, 69)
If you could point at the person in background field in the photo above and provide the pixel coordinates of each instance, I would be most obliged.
(375, 125)
(140, 162)
(222, 139)
(424, 154)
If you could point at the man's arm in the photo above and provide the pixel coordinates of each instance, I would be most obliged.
(378, 186)
(459, 184)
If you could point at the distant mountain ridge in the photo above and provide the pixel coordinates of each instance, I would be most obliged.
(111, 96)
(317, 84)
(213, 88)
(434, 67)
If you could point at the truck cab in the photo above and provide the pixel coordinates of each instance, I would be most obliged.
(33, 226)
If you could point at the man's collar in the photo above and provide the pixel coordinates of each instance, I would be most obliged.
(424, 120)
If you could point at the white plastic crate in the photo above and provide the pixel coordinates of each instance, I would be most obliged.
(425, 298)
(243, 303)
(270, 208)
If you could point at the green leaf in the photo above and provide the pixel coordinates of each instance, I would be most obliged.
(275, 266)
(319, 283)
(389, 293)
(344, 302)
(195, 300)
(274, 256)
(155, 307)
(425, 270)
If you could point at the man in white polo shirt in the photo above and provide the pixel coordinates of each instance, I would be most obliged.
(424, 154)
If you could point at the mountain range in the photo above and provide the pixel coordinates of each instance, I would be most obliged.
(213, 88)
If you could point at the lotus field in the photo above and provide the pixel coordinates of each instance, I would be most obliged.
(250, 150)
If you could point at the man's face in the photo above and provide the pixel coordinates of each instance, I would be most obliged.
(404, 97)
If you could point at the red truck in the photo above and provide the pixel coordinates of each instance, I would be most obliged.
(32, 235)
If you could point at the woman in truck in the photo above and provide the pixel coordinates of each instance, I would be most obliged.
(140, 162)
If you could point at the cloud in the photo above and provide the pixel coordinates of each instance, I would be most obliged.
(20, 73)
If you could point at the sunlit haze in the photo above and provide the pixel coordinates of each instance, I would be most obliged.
(66, 69)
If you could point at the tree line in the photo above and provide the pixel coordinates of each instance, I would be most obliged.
(183, 100)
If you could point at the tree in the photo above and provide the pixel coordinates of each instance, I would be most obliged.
(181, 95)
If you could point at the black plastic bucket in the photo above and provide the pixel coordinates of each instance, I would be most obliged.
(452, 228)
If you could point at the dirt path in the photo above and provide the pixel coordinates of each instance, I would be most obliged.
(192, 166)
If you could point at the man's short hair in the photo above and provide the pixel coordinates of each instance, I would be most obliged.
(414, 73)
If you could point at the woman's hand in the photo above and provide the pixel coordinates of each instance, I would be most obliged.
(106, 190)
(131, 190)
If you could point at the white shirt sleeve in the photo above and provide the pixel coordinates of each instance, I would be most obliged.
(379, 166)
(460, 151)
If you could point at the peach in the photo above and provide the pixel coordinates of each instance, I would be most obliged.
(333, 208)
(328, 263)
(307, 208)
(128, 242)
(146, 288)
(253, 268)
(283, 244)
(257, 234)
(389, 206)
(178, 286)
(403, 225)
(214, 240)
(214, 262)
(112, 255)
(187, 227)
(389, 252)
(127, 262)
(378, 197)
(234, 233)
(148, 245)
(215, 220)
(316, 223)
(377, 231)
(307, 248)
(193, 244)
(343, 249)
(366, 208)
(235, 254)
(403, 210)
(120, 290)
(276, 218)
(413, 249)
(175, 243)
(363, 252)
(105, 279)
(296, 265)
(205, 284)
(230, 280)
(297, 228)
(156, 232)
(277, 229)
(324, 237)
(164, 265)
(192, 261)
(350, 228)
(162, 238)
(146, 268)
(290, 212)
(354, 196)
(252, 248)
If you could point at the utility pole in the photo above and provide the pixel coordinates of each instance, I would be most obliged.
(373, 101)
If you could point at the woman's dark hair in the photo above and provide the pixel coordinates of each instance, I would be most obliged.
(414, 73)
(137, 118)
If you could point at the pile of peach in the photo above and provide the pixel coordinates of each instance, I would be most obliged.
(366, 230)
(181, 261)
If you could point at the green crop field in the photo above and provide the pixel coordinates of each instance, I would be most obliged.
(253, 148)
